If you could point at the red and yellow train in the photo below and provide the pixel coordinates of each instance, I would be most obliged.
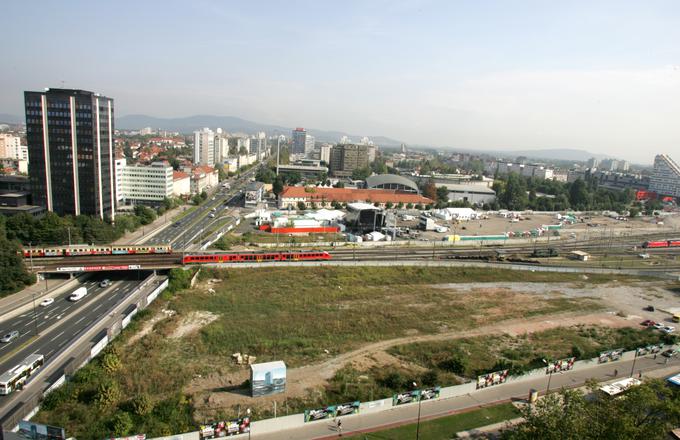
(256, 257)
(661, 244)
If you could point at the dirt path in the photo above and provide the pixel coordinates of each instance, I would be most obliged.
(300, 380)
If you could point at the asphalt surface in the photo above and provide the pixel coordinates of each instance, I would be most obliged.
(182, 233)
(67, 317)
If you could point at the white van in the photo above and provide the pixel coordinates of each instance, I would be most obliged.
(78, 294)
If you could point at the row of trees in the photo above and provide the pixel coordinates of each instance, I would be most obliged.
(13, 273)
(516, 192)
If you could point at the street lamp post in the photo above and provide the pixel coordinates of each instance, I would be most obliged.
(632, 369)
(35, 319)
(250, 423)
(415, 385)
(550, 373)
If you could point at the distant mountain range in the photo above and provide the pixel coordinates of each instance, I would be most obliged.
(233, 124)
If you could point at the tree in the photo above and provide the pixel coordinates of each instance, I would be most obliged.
(514, 196)
(301, 206)
(242, 151)
(13, 273)
(361, 173)
(142, 404)
(442, 194)
(277, 186)
(649, 411)
(430, 190)
(121, 424)
(578, 195)
(111, 362)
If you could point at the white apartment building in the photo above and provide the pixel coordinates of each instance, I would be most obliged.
(118, 176)
(204, 147)
(325, 153)
(309, 144)
(666, 178)
(147, 184)
(10, 147)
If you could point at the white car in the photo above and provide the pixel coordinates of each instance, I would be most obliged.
(46, 302)
(668, 329)
(659, 325)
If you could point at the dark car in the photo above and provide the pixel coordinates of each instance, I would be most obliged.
(648, 323)
(177, 224)
(649, 308)
(669, 353)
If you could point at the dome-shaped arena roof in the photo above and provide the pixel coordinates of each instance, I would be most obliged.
(391, 181)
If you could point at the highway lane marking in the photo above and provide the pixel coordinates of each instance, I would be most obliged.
(28, 323)
(79, 320)
(96, 308)
(57, 337)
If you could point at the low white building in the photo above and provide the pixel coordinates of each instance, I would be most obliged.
(146, 184)
(473, 194)
(181, 184)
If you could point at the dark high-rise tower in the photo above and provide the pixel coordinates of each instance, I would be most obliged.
(70, 143)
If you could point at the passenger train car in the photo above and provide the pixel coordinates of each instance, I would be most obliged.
(75, 250)
(661, 244)
(256, 257)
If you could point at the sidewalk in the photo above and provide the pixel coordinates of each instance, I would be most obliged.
(396, 416)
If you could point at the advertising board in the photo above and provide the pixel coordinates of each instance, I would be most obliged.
(609, 356)
(405, 397)
(36, 431)
(267, 378)
(343, 409)
(560, 365)
(490, 379)
(224, 428)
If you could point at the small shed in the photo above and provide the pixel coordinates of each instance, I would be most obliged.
(267, 378)
(580, 255)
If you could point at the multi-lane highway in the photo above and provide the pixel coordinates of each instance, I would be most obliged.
(191, 227)
(50, 328)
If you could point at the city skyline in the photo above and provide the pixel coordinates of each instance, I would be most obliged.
(600, 77)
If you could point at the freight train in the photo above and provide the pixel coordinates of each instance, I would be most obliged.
(76, 250)
(256, 257)
(661, 244)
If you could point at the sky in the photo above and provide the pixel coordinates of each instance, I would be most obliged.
(602, 76)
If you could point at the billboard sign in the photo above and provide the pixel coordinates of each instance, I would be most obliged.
(490, 379)
(649, 349)
(344, 409)
(430, 393)
(224, 428)
(319, 413)
(609, 356)
(560, 365)
(37, 431)
(347, 409)
(267, 378)
(407, 397)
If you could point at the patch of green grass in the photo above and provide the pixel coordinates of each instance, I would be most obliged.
(445, 427)
(184, 213)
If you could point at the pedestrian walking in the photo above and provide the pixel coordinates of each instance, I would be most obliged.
(639, 374)
(616, 372)
(654, 356)
(339, 428)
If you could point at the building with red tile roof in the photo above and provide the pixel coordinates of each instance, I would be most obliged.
(324, 197)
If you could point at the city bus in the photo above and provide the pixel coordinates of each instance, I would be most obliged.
(17, 376)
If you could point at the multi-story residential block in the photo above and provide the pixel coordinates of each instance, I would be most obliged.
(118, 178)
(299, 141)
(11, 148)
(204, 147)
(325, 153)
(666, 177)
(345, 158)
(70, 143)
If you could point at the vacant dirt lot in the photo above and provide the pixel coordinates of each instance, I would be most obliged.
(623, 306)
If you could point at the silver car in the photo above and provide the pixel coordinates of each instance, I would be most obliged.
(9, 337)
